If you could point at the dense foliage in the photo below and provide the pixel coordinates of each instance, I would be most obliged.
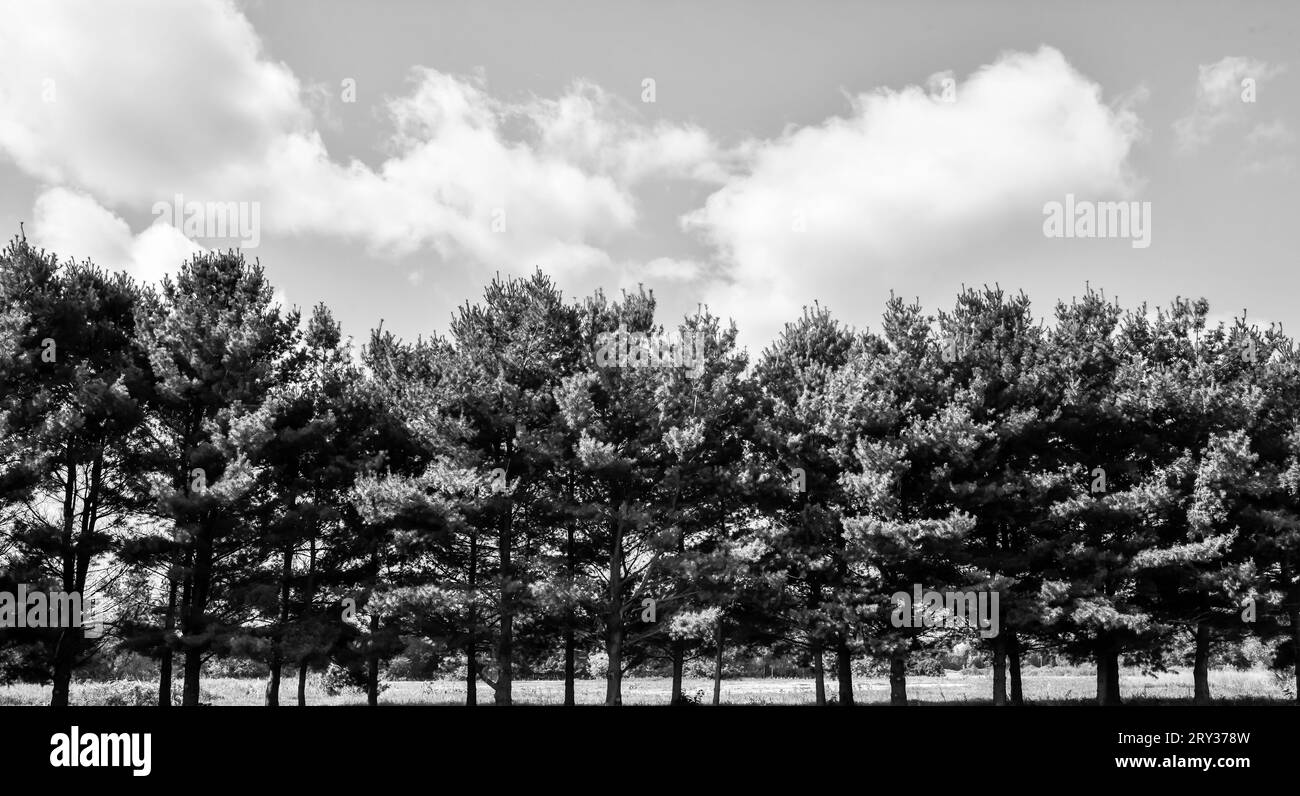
(566, 488)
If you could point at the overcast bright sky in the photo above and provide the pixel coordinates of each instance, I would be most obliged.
(793, 151)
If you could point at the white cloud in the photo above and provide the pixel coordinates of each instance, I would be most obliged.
(150, 99)
(588, 125)
(456, 185)
(1220, 98)
(907, 175)
(75, 225)
(138, 118)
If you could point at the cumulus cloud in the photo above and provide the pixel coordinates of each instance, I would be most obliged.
(75, 225)
(910, 173)
(137, 101)
(456, 184)
(590, 126)
(151, 100)
(1222, 98)
(138, 117)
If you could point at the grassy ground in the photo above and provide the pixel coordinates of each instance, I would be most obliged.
(1044, 686)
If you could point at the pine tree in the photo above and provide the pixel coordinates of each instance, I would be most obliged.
(324, 431)
(807, 543)
(907, 436)
(512, 353)
(1196, 573)
(613, 411)
(706, 413)
(1245, 502)
(79, 330)
(994, 368)
(216, 346)
(1120, 479)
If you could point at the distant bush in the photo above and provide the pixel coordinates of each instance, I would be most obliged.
(339, 680)
(128, 693)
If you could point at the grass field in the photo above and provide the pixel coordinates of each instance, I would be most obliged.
(1068, 685)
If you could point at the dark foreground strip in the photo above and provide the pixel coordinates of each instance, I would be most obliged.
(661, 748)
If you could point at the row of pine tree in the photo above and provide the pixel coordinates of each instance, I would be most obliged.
(232, 480)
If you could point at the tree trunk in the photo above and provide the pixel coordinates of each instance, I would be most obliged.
(614, 648)
(193, 673)
(505, 641)
(1107, 672)
(76, 563)
(372, 665)
(1295, 641)
(165, 667)
(614, 617)
(717, 663)
(898, 677)
(195, 618)
(678, 646)
(65, 652)
(818, 642)
(198, 574)
(1000, 670)
(308, 609)
(187, 595)
(844, 667)
(273, 682)
(277, 641)
(69, 511)
(89, 518)
(471, 674)
(570, 645)
(1201, 665)
(843, 662)
(186, 582)
(570, 664)
(505, 661)
(679, 657)
(1013, 664)
(471, 651)
(819, 672)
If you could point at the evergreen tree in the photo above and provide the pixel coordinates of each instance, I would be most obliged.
(216, 345)
(81, 353)
(808, 544)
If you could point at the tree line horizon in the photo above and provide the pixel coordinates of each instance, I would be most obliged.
(237, 486)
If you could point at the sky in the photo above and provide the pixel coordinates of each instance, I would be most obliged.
(389, 158)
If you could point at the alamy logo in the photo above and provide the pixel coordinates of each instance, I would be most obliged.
(953, 609)
(241, 221)
(34, 608)
(624, 349)
(93, 750)
(1086, 219)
